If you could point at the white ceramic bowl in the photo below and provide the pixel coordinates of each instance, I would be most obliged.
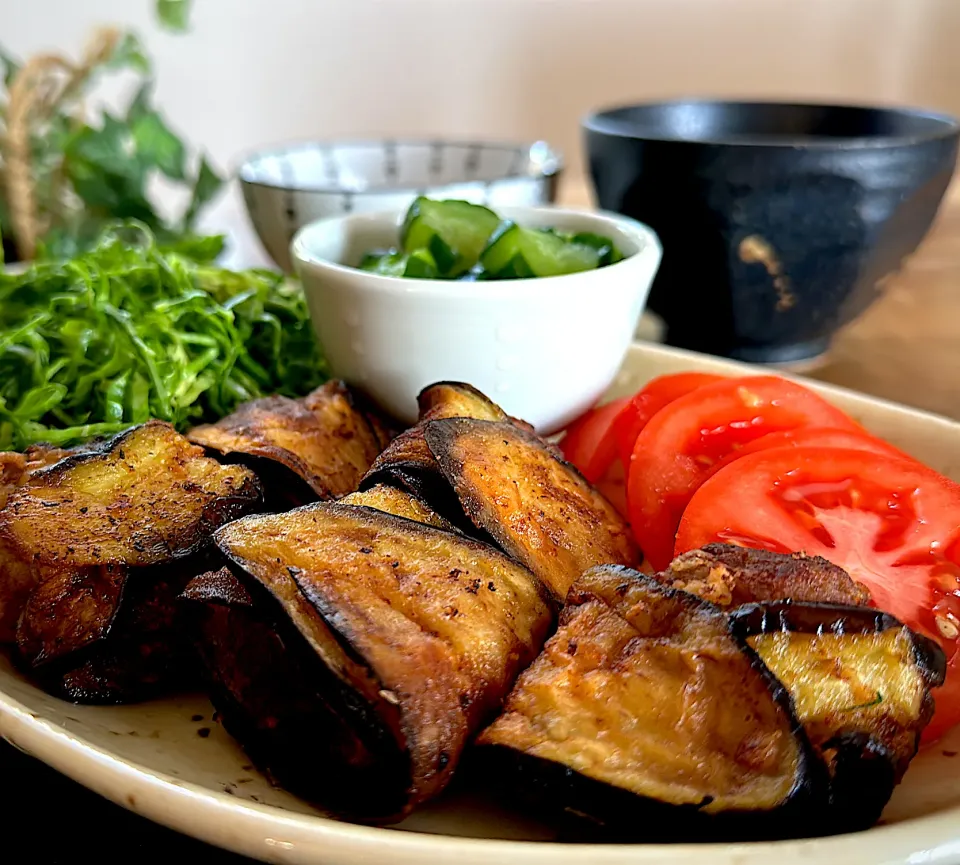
(545, 349)
(288, 187)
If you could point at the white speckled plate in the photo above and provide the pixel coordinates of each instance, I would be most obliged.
(170, 762)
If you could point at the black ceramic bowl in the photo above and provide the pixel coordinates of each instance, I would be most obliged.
(777, 221)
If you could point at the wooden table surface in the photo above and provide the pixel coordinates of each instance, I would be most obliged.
(906, 347)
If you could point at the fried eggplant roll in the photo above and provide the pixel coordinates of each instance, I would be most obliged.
(112, 535)
(730, 576)
(318, 447)
(394, 640)
(407, 462)
(18, 578)
(538, 508)
(861, 682)
(646, 715)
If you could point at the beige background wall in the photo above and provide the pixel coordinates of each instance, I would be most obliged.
(259, 71)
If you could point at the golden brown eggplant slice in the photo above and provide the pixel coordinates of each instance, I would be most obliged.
(316, 447)
(729, 576)
(18, 577)
(143, 498)
(106, 539)
(420, 633)
(860, 681)
(407, 462)
(539, 509)
(108, 634)
(644, 713)
(393, 500)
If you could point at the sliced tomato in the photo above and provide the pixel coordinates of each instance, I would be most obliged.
(891, 523)
(684, 442)
(658, 392)
(859, 440)
(587, 442)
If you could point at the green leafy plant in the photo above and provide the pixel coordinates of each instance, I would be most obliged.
(64, 176)
(129, 331)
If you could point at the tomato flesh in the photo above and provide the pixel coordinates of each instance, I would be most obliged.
(684, 443)
(819, 436)
(659, 392)
(587, 442)
(891, 523)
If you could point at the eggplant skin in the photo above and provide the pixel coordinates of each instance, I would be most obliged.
(143, 498)
(423, 628)
(861, 683)
(537, 508)
(110, 634)
(730, 576)
(317, 447)
(407, 462)
(298, 721)
(646, 714)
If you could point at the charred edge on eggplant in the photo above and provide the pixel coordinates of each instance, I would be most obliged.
(156, 498)
(317, 447)
(538, 508)
(697, 735)
(860, 681)
(408, 463)
(109, 635)
(729, 576)
(423, 628)
(299, 722)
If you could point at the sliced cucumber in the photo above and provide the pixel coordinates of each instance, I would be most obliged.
(454, 232)
(520, 253)
(606, 248)
(414, 265)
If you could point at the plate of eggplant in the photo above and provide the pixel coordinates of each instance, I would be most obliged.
(307, 636)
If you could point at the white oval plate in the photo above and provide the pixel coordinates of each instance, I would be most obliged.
(153, 759)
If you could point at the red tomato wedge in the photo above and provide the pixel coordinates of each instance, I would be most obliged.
(820, 436)
(684, 442)
(892, 524)
(658, 392)
(587, 443)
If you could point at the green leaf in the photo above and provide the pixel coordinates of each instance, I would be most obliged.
(141, 104)
(103, 167)
(205, 187)
(10, 68)
(174, 14)
(129, 54)
(158, 147)
(202, 250)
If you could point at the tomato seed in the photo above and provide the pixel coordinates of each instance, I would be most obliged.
(749, 399)
(947, 628)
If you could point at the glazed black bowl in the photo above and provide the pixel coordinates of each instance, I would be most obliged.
(778, 221)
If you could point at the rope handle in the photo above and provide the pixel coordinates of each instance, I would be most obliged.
(42, 85)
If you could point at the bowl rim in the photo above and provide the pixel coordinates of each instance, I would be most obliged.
(440, 289)
(600, 122)
(554, 163)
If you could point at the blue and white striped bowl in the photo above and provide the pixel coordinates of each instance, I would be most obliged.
(288, 187)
